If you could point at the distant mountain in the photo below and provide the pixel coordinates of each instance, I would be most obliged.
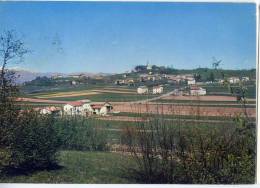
(26, 75)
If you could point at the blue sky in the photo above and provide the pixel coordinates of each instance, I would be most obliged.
(114, 37)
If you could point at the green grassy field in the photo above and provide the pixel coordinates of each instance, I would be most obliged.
(80, 167)
(111, 97)
(218, 88)
(235, 104)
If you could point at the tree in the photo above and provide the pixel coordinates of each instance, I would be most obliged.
(197, 77)
(28, 140)
(211, 77)
(11, 50)
(215, 63)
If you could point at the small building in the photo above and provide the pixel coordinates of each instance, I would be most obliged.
(196, 91)
(142, 90)
(73, 82)
(149, 67)
(74, 108)
(245, 79)
(157, 90)
(120, 82)
(101, 109)
(233, 80)
(51, 110)
(191, 81)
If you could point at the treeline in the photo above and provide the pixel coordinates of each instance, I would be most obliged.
(205, 73)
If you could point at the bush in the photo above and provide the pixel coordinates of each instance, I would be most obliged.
(165, 153)
(30, 143)
(79, 133)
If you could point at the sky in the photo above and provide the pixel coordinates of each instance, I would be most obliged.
(114, 37)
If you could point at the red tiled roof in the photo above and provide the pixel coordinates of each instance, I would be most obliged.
(76, 103)
(97, 106)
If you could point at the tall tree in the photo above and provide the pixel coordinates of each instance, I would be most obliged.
(12, 50)
(216, 63)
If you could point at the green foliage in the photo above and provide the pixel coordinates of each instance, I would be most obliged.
(80, 167)
(79, 133)
(30, 143)
(167, 154)
(27, 140)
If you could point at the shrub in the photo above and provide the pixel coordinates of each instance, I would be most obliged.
(79, 133)
(30, 143)
(165, 153)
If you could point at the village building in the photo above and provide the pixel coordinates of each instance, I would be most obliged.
(73, 82)
(142, 90)
(51, 110)
(191, 81)
(196, 91)
(74, 108)
(233, 80)
(245, 79)
(157, 90)
(120, 82)
(101, 109)
(149, 67)
(86, 108)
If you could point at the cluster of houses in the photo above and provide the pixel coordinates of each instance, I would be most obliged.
(154, 90)
(83, 108)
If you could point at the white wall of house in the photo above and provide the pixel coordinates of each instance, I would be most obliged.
(233, 80)
(73, 110)
(191, 82)
(45, 111)
(87, 107)
(142, 90)
(196, 92)
(103, 110)
(157, 90)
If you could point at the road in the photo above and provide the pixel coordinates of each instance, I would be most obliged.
(153, 99)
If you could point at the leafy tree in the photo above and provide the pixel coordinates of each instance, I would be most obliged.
(27, 140)
(211, 77)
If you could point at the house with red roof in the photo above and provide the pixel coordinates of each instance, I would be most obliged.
(86, 108)
(74, 108)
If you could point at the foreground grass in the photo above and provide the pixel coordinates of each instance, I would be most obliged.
(79, 167)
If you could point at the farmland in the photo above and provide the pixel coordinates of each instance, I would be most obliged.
(217, 111)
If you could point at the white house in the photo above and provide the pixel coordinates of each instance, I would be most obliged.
(157, 89)
(245, 79)
(191, 81)
(51, 110)
(233, 80)
(142, 90)
(74, 108)
(85, 108)
(101, 109)
(195, 91)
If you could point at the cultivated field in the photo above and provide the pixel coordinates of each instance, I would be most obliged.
(181, 110)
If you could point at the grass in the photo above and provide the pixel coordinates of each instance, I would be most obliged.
(80, 167)
(201, 102)
(111, 97)
(217, 88)
(228, 104)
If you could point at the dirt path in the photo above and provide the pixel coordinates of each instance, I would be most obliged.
(41, 101)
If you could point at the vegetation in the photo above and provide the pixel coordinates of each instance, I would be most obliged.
(80, 167)
(202, 74)
(27, 140)
(79, 133)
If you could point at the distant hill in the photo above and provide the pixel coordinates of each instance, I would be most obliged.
(26, 75)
